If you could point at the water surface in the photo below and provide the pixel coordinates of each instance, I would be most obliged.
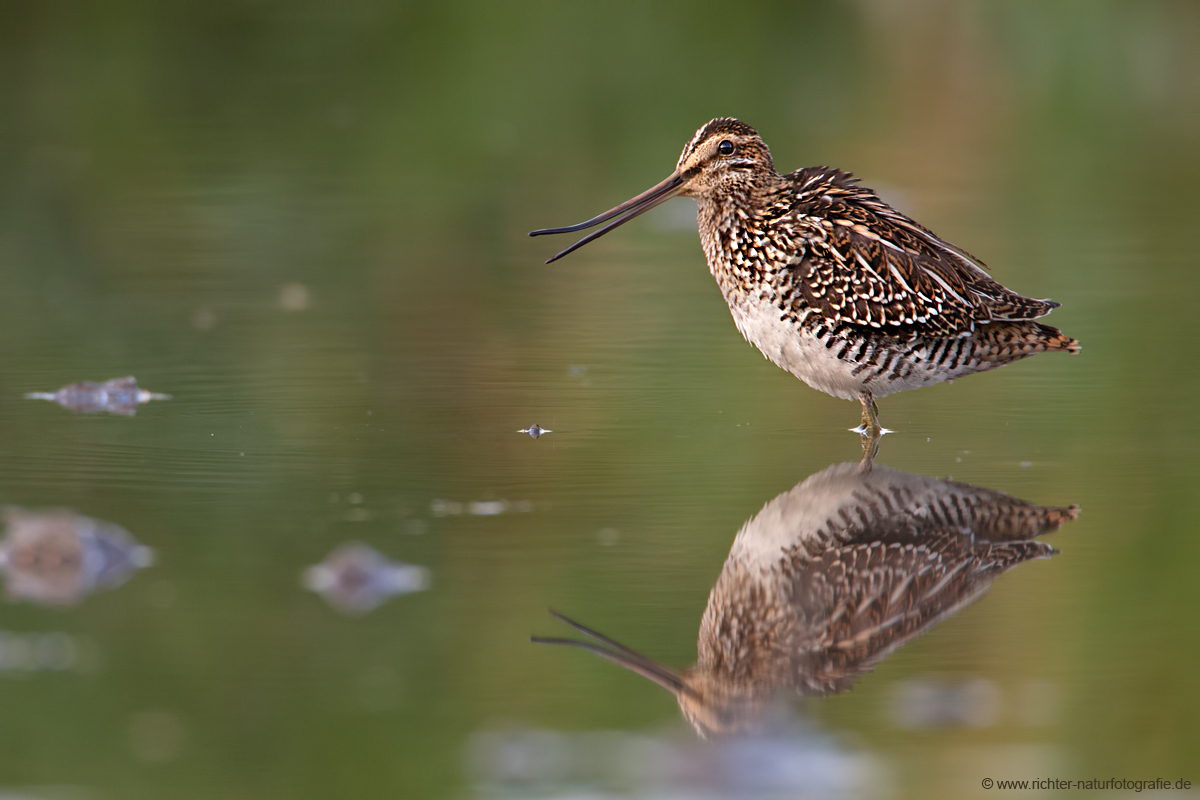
(307, 225)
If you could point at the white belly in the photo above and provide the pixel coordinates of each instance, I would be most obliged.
(790, 346)
(796, 350)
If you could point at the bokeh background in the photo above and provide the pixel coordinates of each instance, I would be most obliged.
(306, 221)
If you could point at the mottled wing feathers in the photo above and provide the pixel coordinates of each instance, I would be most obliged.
(902, 555)
(860, 262)
(877, 296)
(866, 600)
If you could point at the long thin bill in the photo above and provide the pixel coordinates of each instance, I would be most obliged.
(631, 208)
(647, 669)
(619, 654)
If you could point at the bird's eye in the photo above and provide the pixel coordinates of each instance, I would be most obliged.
(725, 148)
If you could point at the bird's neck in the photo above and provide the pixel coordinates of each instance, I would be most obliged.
(731, 223)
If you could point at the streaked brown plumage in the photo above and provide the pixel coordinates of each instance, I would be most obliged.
(830, 578)
(831, 283)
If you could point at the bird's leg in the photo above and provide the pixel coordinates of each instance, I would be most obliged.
(870, 417)
(870, 430)
(870, 447)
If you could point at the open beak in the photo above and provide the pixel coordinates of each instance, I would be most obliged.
(623, 213)
(665, 677)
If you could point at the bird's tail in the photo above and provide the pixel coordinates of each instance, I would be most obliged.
(1054, 339)
(1003, 342)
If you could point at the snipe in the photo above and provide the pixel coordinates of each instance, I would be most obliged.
(830, 578)
(831, 283)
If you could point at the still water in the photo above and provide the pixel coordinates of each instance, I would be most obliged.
(314, 570)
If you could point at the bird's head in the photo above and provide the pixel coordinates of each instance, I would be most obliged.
(725, 157)
(717, 709)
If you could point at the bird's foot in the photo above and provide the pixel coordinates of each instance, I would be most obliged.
(870, 430)
(870, 418)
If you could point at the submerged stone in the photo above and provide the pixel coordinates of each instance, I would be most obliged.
(535, 430)
(118, 396)
(355, 578)
(58, 557)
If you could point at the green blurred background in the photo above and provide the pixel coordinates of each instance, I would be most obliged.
(171, 173)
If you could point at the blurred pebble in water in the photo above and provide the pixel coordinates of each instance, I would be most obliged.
(58, 557)
(355, 578)
(118, 396)
(793, 759)
(204, 319)
(479, 508)
(535, 430)
(293, 297)
(580, 371)
(29, 651)
(934, 703)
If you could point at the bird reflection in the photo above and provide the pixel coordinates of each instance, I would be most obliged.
(831, 577)
(118, 396)
(58, 557)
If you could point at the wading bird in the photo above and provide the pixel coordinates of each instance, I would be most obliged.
(831, 283)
